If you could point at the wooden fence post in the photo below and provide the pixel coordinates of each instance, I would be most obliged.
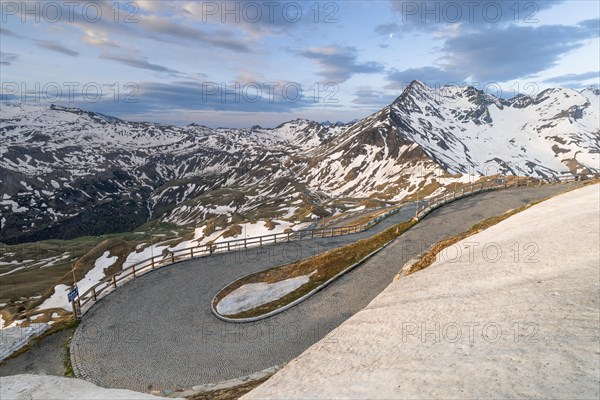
(75, 314)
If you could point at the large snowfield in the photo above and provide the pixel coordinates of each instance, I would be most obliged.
(45, 387)
(511, 312)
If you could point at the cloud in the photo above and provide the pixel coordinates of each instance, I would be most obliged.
(56, 47)
(512, 52)
(8, 58)
(573, 79)
(6, 32)
(430, 15)
(591, 24)
(186, 97)
(387, 29)
(259, 19)
(194, 95)
(498, 54)
(153, 5)
(338, 64)
(164, 26)
(138, 62)
(432, 76)
(145, 23)
(172, 101)
(366, 95)
(99, 39)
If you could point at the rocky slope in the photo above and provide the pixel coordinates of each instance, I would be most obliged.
(67, 172)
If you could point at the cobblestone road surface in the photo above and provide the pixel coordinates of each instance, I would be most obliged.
(157, 332)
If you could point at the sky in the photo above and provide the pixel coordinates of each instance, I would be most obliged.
(245, 63)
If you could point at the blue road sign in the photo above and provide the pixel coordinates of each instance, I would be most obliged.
(73, 294)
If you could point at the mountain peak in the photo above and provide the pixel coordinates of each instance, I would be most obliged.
(418, 84)
(592, 89)
(414, 87)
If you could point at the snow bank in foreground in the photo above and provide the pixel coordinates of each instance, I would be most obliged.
(511, 312)
(252, 295)
(45, 387)
(12, 338)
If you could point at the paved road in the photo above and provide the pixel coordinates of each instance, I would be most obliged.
(158, 332)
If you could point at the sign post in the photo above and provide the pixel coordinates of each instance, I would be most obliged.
(72, 295)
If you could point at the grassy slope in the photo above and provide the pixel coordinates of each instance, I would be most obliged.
(24, 290)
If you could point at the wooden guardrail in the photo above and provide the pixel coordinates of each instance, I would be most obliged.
(111, 282)
(425, 206)
(85, 300)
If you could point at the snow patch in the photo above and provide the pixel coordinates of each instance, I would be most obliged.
(13, 337)
(46, 387)
(252, 295)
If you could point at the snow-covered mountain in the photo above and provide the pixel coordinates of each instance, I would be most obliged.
(66, 172)
(462, 131)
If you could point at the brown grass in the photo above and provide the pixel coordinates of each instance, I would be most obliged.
(233, 230)
(232, 393)
(270, 225)
(326, 265)
(43, 280)
(363, 219)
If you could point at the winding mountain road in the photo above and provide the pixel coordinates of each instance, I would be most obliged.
(157, 332)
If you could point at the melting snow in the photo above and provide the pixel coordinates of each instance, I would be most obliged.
(252, 295)
(59, 298)
(37, 387)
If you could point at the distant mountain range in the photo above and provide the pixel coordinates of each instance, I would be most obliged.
(67, 172)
